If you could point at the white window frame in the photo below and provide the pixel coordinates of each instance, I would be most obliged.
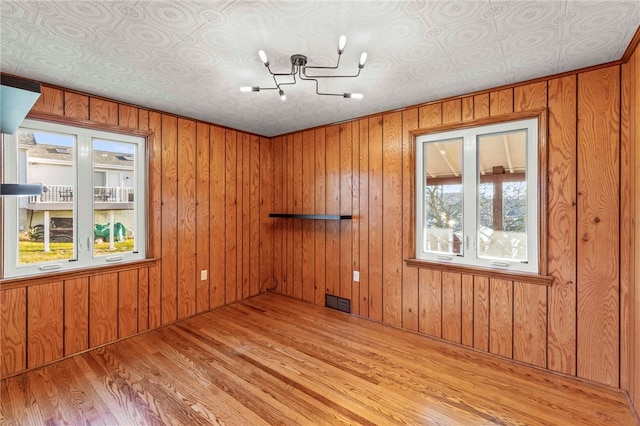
(469, 256)
(83, 236)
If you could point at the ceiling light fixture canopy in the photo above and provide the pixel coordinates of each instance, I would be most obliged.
(300, 69)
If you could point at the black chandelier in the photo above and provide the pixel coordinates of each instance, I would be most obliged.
(299, 68)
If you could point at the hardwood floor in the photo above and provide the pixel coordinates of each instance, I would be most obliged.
(275, 360)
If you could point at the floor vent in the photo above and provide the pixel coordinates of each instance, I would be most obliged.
(339, 303)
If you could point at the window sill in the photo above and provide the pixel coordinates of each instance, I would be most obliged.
(545, 280)
(30, 280)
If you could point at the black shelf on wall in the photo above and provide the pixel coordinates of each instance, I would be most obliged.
(313, 216)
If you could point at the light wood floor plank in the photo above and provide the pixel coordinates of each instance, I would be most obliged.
(275, 360)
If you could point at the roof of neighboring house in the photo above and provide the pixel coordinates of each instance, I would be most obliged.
(64, 153)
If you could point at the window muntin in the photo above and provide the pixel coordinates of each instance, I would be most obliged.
(496, 191)
(68, 160)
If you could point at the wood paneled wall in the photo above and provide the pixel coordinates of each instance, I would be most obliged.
(363, 167)
(207, 212)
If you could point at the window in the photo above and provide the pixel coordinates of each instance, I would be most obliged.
(92, 209)
(477, 196)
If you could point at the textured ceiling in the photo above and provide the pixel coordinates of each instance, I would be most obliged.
(191, 57)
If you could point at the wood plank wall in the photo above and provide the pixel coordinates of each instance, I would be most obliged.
(208, 212)
(363, 167)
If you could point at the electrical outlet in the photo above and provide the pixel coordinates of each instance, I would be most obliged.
(203, 275)
(356, 276)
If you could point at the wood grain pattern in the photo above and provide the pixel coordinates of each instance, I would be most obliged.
(51, 101)
(231, 217)
(409, 274)
(103, 111)
(76, 315)
(481, 292)
(467, 310)
(279, 206)
(203, 223)
(155, 298)
(481, 106)
(169, 225)
(143, 119)
(430, 302)
(501, 102)
(375, 217)
(501, 317)
(154, 149)
(562, 260)
(634, 136)
(267, 235)
(103, 309)
(127, 116)
(296, 288)
(308, 207)
(467, 108)
(530, 323)
(186, 215)
(288, 225)
(320, 187)
(626, 229)
(392, 219)
(44, 323)
(363, 218)
(332, 205)
(354, 223)
(244, 181)
(252, 249)
(274, 360)
(127, 303)
(217, 212)
(13, 330)
(143, 299)
(76, 106)
(598, 225)
(345, 207)
(430, 115)
(530, 97)
(452, 111)
(452, 307)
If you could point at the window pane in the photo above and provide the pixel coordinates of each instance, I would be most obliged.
(443, 197)
(502, 196)
(113, 197)
(46, 222)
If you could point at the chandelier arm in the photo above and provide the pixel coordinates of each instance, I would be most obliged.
(324, 68)
(318, 92)
(304, 71)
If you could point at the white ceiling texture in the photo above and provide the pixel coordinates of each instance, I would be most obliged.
(192, 57)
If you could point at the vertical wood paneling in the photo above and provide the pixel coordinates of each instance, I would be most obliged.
(561, 347)
(346, 185)
(143, 299)
(289, 225)
(375, 217)
(244, 241)
(409, 274)
(186, 218)
(252, 252)
(154, 241)
(481, 313)
(308, 207)
(143, 119)
(501, 102)
(127, 303)
(128, 116)
(13, 330)
(44, 323)
(430, 115)
(76, 106)
(430, 302)
(481, 106)
(530, 96)
(169, 219)
(202, 217)
(155, 298)
(467, 108)
(217, 212)
(354, 223)
(267, 235)
(452, 307)
(598, 225)
(467, 310)
(626, 241)
(501, 317)
(103, 111)
(76, 315)
(296, 288)
(279, 206)
(51, 101)
(332, 159)
(363, 218)
(530, 323)
(452, 111)
(634, 136)
(231, 216)
(320, 208)
(103, 309)
(392, 219)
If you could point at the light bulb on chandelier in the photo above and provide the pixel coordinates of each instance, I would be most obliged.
(299, 68)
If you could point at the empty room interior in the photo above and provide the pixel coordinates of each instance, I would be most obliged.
(318, 213)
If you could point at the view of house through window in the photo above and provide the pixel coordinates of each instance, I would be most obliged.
(91, 209)
(477, 198)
